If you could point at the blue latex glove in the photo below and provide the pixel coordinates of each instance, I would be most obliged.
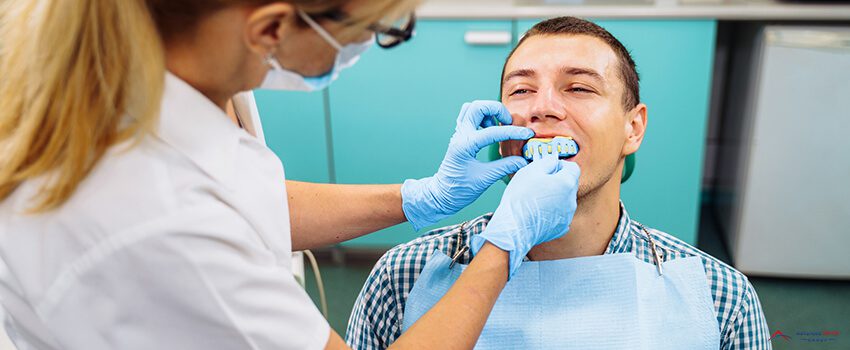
(537, 207)
(461, 178)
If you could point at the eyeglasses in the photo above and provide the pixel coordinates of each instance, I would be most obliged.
(399, 32)
(386, 36)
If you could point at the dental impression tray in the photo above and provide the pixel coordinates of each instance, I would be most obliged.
(561, 147)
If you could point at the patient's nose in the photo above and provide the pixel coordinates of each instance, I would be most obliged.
(547, 106)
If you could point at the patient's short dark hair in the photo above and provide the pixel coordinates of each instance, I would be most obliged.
(577, 26)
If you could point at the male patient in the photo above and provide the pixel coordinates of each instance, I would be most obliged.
(570, 77)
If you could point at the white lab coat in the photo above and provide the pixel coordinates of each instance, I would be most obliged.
(245, 106)
(182, 242)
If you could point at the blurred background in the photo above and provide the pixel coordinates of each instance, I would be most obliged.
(745, 154)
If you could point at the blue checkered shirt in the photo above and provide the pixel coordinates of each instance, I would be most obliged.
(377, 316)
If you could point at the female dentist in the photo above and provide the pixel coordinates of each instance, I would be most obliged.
(136, 214)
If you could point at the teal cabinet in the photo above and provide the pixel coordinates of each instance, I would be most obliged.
(674, 59)
(295, 125)
(393, 113)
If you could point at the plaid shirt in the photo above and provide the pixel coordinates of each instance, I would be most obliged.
(377, 316)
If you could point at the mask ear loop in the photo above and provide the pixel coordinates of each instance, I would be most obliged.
(272, 61)
(322, 32)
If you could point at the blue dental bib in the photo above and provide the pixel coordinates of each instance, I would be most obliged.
(613, 301)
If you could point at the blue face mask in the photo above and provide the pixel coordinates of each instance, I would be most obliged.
(323, 81)
(279, 78)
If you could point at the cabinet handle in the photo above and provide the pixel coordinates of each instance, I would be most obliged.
(487, 38)
(809, 38)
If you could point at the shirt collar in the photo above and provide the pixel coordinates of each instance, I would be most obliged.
(198, 129)
(620, 240)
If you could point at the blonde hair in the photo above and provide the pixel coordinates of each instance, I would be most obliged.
(70, 71)
(79, 76)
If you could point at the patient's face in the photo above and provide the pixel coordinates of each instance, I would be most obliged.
(569, 85)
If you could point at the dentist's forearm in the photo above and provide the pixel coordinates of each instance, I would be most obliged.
(324, 214)
(456, 321)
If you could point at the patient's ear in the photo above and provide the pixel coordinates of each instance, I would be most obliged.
(635, 125)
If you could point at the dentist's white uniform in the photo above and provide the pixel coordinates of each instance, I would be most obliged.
(196, 256)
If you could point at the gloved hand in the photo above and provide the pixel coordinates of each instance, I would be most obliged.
(537, 207)
(461, 178)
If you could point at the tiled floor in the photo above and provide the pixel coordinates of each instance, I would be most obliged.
(791, 306)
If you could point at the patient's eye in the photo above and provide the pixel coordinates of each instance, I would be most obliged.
(519, 91)
(578, 89)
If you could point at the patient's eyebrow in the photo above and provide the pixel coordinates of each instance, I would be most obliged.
(519, 73)
(583, 71)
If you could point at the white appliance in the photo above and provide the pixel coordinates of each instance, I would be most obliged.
(783, 191)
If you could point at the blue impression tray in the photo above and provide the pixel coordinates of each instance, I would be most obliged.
(561, 147)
